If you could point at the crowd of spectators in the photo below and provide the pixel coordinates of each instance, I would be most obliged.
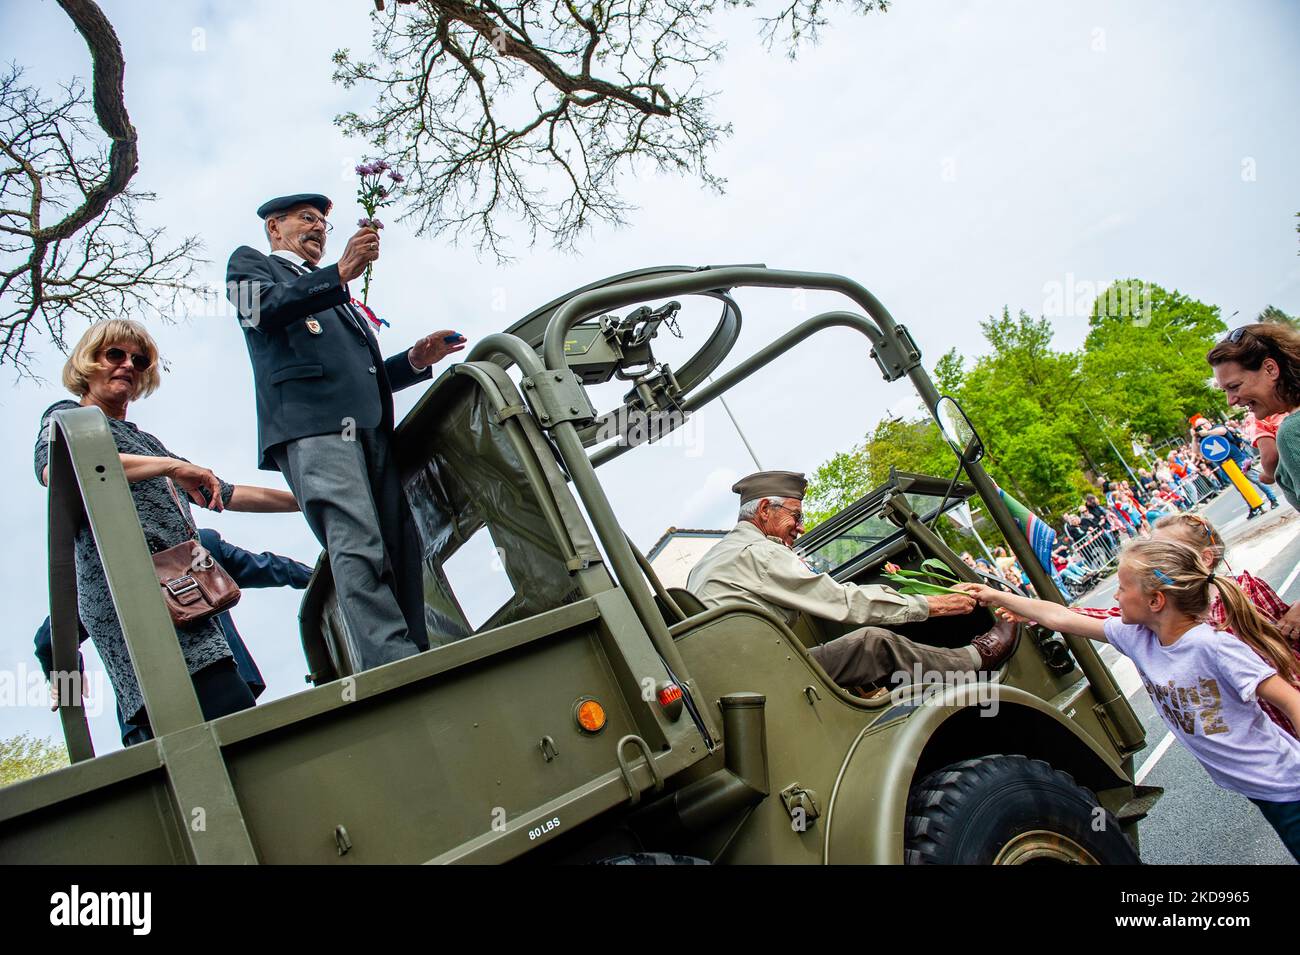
(1173, 481)
(1004, 566)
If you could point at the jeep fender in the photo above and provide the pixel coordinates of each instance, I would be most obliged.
(865, 813)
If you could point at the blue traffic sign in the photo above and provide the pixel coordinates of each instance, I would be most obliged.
(1215, 448)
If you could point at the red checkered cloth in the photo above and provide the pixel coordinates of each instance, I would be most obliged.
(1266, 601)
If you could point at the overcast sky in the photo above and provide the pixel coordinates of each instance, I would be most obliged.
(952, 157)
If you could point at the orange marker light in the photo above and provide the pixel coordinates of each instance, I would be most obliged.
(590, 715)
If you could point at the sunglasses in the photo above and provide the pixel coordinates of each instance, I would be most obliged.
(139, 362)
(1234, 336)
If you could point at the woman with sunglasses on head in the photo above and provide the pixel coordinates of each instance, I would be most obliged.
(114, 363)
(1258, 367)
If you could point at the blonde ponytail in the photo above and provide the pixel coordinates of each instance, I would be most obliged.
(1254, 629)
(1176, 570)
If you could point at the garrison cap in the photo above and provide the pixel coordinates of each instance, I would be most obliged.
(280, 204)
(771, 484)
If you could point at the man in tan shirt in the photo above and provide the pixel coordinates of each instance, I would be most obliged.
(755, 564)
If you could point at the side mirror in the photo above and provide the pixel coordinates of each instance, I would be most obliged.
(956, 427)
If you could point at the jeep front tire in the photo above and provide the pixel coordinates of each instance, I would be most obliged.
(1009, 810)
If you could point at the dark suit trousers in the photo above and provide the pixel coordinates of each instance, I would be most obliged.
(351, 495)
(872, 655)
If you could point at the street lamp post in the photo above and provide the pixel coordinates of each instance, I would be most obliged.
(1105, 431)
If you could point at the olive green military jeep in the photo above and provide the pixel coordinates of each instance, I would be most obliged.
(581, 711)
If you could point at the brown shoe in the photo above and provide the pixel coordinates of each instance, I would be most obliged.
(996, 645)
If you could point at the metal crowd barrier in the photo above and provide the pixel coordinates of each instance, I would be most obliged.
(1099, 549)
(1096, 550)
(1200, 488)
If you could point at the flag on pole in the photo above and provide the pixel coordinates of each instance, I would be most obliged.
(1037, 531)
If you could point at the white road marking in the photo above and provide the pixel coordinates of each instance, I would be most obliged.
(1264, 540)
(1126, 674)
(1286, 584)
(1150, 762)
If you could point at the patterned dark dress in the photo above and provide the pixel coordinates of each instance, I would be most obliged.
(164, 527)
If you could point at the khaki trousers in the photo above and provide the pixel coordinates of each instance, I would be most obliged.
(874, 655)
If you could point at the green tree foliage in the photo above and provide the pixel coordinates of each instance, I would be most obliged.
(905, 445)
(1274, 314)
(1015, 396)
(1144, 358)
(1049, 417)
(25, 756)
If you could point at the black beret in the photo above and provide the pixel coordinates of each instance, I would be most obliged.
(771, 484)
(272, 206)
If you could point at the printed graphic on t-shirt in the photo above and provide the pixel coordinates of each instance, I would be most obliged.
(1182, 705)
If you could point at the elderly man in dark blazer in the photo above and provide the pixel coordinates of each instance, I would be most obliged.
(325, 416)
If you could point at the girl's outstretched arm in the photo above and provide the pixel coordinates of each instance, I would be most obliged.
(1049, 614)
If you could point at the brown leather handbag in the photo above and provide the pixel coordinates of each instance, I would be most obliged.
(194, 586)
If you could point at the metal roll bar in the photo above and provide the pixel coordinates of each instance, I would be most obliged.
(86, 480)
(897, 357)
(617, 550)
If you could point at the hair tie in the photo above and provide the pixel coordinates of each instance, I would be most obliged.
(1162, 576)
(1210, 579)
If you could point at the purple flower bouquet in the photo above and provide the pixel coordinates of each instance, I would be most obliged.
(373, 194)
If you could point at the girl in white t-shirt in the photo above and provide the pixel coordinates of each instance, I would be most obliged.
(1204, 682)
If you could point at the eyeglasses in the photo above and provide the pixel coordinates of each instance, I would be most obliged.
(312, 219)
(139, 362)
(1234, 336)
(797, 515)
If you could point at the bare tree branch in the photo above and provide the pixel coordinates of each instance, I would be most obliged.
(533, 111)
(803, 20)
(71, 243)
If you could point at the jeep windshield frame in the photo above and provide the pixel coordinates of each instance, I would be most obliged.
(925, 496)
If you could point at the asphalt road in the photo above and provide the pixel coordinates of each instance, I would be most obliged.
(1196, 822)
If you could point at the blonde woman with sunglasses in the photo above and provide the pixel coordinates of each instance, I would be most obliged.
(115, 363)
